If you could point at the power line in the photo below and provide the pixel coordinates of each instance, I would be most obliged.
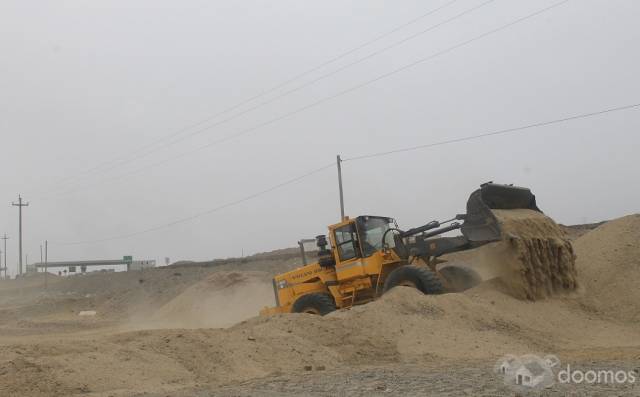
(359, 47)
(311, 82)
(330, 97)
(207, 212)
(361, 157)
(289, 92)
(121, 160)
(296, 89)
(487, 134)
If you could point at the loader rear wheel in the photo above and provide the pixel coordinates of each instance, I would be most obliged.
(315, 303)
(418, 277)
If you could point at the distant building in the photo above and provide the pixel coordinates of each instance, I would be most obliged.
(71, 266)
(141, 265)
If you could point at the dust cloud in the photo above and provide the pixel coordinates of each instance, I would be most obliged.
(219, 301)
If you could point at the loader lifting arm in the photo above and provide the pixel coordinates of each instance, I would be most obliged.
(479, 226)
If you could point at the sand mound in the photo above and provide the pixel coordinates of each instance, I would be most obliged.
(608, 259)
(220, 300)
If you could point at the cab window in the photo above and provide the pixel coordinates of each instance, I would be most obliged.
(374, 229)
(347, 242)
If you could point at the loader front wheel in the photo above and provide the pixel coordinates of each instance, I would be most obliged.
(315, 303)
(419, 277)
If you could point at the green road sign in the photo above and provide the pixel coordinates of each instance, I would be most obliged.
(127, 258)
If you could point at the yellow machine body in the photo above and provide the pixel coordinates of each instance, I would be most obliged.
(349, 281)
(368, 250)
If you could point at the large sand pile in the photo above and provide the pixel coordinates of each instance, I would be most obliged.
(609, 266)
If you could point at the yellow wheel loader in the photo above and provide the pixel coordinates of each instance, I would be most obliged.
(370, 255)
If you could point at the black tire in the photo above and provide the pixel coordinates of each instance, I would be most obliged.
(315, 303)
(418, 277)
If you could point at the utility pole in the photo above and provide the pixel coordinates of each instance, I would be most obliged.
(340, 186)
(5, 238)
(46, 261)
(20, 205)
(5, 273)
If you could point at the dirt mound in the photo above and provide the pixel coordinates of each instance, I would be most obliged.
(29, 280)
(19, 370)
(278, 261)
(608, 259)
(576, 231)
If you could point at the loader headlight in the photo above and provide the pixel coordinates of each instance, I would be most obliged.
(282, 284)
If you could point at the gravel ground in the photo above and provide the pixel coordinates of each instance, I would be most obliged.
(408, 380)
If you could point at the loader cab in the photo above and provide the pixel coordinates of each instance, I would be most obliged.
(359, 251)
(361, 237)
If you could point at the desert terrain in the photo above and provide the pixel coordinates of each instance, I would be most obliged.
(192, 329)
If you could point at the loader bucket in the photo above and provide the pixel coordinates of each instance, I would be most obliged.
(480, 224)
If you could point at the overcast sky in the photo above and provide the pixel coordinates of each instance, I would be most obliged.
(87, 87)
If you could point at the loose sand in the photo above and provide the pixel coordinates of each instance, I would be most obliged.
(597, 321)
(539, 256)
(535, 258)
(609, 266)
